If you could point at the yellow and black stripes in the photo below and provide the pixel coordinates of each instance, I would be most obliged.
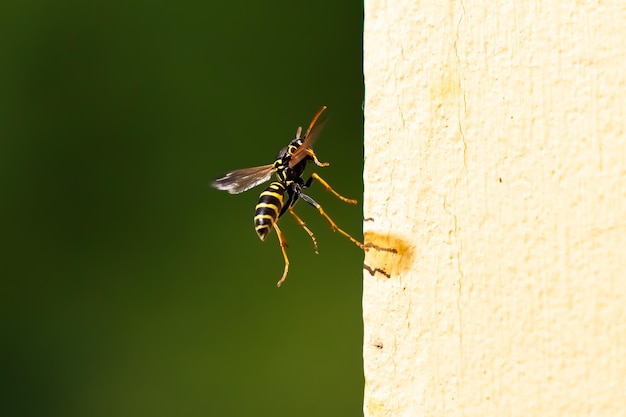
(269, 208)
(293, 146)
(284, 173)
(286, 190)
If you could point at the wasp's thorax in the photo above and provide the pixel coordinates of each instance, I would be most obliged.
(284, 172)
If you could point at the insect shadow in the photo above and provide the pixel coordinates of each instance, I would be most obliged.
(391, 255)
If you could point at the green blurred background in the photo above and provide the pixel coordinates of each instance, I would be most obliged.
(129, 286)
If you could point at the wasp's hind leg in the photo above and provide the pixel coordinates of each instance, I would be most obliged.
(303, 224)
(283, 245)
(329, 188)
(333, 225)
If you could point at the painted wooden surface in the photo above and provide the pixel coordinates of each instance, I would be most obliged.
(495, 163)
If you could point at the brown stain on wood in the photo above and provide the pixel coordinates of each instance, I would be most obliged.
(387, 255)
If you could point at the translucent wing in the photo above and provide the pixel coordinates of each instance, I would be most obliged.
(241, 180)
(309, 137)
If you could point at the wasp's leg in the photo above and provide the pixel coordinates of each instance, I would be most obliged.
(283, 245)
(328, 187)
(333, 225)
(303, 224)
(317, 161)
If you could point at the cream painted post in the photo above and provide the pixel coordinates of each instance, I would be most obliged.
(495, 163)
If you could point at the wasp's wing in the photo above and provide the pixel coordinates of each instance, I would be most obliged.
(241, 180)
(309, 137)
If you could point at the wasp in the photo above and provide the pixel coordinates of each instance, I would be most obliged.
(281, 195)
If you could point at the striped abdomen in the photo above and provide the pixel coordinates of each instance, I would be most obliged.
(268, 209)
